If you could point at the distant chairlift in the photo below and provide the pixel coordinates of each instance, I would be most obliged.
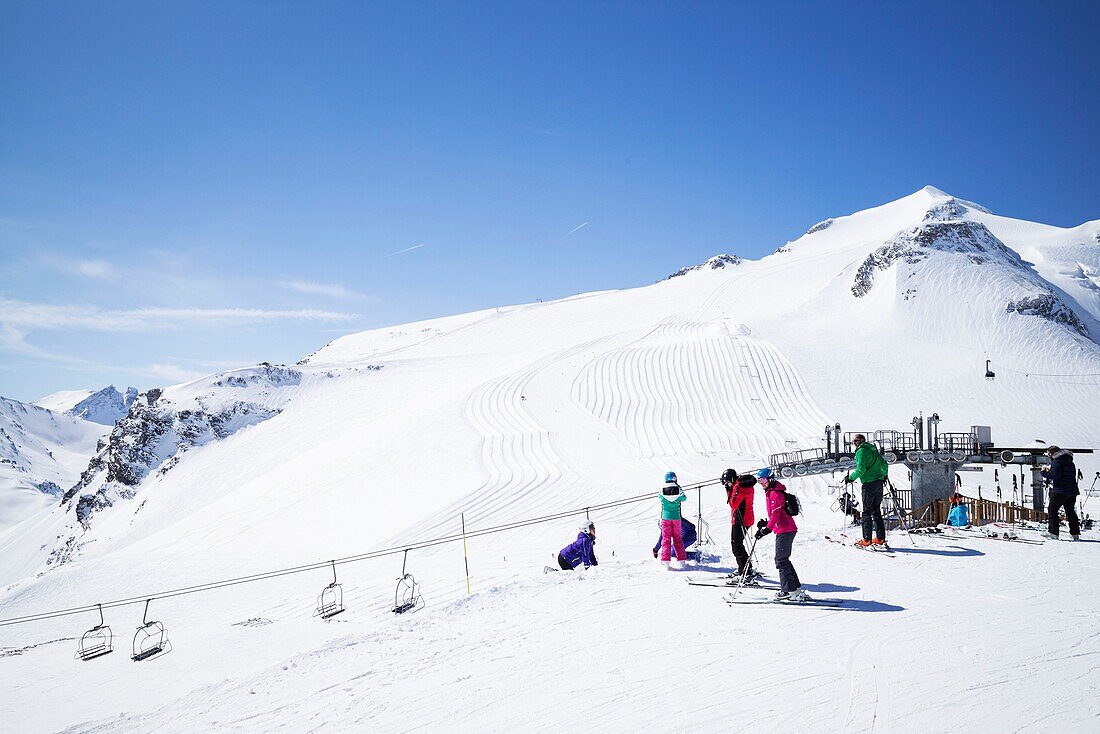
(97, 641)
(407, 597)
(151, 639)
(331, 601)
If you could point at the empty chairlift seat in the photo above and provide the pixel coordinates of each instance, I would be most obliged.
(96, 642)
(151, 639)
(331, 600)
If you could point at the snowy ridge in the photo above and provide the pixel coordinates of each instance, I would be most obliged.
(383, 438)
(41, 454)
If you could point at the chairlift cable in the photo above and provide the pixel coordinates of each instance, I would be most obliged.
(264, 575)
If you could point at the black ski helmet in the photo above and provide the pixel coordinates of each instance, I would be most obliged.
(729, 476)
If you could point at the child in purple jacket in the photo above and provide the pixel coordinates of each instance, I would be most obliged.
(581, 550)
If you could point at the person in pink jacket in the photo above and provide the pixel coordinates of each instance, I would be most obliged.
(782, 524)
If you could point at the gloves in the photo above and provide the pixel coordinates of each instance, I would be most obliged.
(848, 480)
(761, 528)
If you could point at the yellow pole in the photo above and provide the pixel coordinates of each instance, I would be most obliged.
(465, 555)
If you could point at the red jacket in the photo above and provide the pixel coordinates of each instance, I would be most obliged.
(778, 519)
(739, 496)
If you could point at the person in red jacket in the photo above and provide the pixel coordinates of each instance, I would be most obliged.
(739, 495)
(782, 524)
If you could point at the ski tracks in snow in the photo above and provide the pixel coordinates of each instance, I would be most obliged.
(689, 388)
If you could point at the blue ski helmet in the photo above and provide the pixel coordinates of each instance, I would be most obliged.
(670, 477)
(765, 473)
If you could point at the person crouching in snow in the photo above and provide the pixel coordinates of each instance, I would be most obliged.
(581, 550)
(782, 524)
(690, 535)
(671, 531)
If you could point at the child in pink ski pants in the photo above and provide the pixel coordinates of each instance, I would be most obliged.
(671, 534)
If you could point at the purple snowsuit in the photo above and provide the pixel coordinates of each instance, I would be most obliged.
(580, 551)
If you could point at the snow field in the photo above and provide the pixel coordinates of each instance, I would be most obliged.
(517, 412)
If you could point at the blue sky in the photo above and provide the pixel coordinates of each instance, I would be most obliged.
(188, 187)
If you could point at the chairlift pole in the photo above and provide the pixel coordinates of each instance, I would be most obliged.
(465, 553)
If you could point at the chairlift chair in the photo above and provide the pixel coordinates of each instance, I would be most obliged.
(407, 597)
(96, 642)
(151, 639)
(331, 601)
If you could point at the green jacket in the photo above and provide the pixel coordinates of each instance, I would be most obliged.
(870, 466)
(670, 508)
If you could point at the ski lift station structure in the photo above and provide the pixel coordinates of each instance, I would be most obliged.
(931, 456)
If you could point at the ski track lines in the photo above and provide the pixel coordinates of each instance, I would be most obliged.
(524, 472)
(684, 389)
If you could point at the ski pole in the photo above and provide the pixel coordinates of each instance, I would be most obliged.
(1089, 493)
(752, 555)
(897, 511)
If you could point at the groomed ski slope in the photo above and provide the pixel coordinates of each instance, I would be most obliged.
(516, 412)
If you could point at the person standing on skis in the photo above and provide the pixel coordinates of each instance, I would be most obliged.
(1063, 493)
(672, 497)
(739, 496)
(783, 525)
(871, 470)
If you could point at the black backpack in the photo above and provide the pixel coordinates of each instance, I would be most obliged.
(791, 504)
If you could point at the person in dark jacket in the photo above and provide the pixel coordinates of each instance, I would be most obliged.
(1063, 492)
(690, 536)
(581, 550)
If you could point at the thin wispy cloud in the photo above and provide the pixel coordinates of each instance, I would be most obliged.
(168, 373)
(313, 288)
(94, 269)
(407, 249)
(22, 316)
(579, 226)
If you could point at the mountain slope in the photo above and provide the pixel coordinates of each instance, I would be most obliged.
(387, 436)
(41, 454)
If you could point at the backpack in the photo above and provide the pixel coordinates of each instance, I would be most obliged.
(791, 504)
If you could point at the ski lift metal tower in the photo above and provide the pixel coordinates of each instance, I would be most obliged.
(331, 601)
(932, 457)
(97, 641)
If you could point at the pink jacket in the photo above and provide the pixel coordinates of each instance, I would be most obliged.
(778, 519)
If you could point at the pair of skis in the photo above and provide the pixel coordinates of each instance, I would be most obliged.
(1007, 537)
(755, 584)
(881, 550)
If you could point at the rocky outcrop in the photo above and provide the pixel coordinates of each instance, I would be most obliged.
(1050, 307)
(105, 407)
(820, 226)
(715, 263)
(912, 246)
(154, 435)
(264, 373)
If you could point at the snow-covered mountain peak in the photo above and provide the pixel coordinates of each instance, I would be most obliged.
(104, 406)
(717, 262)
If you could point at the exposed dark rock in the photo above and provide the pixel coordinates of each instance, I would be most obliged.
(265, 373)
(715, 263)
(152, 436)
(914, 245)
(820, 226)
(1050, 307)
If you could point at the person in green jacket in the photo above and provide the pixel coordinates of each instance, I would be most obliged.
(871, 470)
